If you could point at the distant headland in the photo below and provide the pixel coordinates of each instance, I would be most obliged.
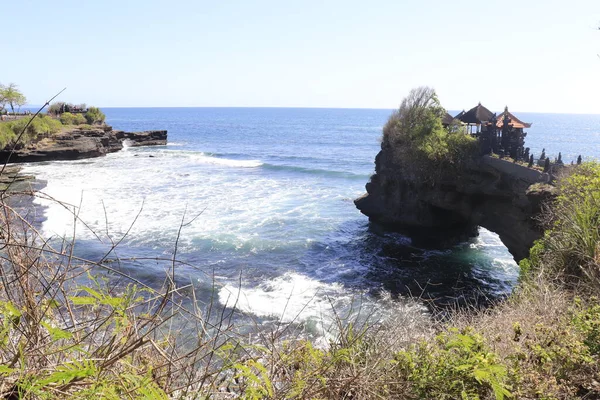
(66, 132)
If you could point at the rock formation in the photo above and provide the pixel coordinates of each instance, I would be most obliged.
(496, 194)
(83, 143)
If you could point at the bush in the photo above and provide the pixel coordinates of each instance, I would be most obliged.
(417, 138)
(7, 135)
(72, 119)
(40, 125)
(56, 107)
(67, 118)
(80, 119)
(570, 247)
(94, 116)
(587, 320)
(457, 365)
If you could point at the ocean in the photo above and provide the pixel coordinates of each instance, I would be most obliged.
(258, 205)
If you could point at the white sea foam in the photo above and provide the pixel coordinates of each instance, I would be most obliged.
(290, 297)
(127, 144)
(239, 210)
(487, 238)
(509, 266)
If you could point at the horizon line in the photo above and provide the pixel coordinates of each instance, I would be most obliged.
(317, 108)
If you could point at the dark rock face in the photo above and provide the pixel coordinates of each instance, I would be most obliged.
(146, 138)
(491, 193)
(86, 143)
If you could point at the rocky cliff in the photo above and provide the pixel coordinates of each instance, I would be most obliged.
(83, 143)
(496, 194)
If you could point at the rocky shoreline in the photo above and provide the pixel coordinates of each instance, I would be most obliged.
(80, 143)
(12, 176)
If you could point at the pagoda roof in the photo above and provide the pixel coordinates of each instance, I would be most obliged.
(514, 121)
(476, 115)
(447, 119)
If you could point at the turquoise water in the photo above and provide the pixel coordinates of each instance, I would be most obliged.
(269, 195)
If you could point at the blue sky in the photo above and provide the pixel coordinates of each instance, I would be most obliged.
(539, 56)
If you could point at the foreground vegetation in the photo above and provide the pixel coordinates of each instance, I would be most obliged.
(64, 335)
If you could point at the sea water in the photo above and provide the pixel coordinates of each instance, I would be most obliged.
(257, 204)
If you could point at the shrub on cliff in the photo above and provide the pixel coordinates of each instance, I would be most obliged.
(56, 108)
(72, 119)
(94, 116)
(80, 119)
(40, 125)
(571, 245)
(7, 135)
(415, 134)
(67, 118)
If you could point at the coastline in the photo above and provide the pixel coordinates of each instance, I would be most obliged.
(77, 143)
(18, 189)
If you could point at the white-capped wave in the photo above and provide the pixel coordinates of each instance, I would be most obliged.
(506, 265)
(290, 298)
(208, 158)
(204, 159)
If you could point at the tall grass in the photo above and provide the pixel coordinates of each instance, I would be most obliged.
(571, 245)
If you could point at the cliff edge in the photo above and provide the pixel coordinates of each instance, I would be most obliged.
(498, 195)
(80, 143)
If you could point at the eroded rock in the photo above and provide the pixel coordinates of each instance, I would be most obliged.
(83, 143)
(503, 197)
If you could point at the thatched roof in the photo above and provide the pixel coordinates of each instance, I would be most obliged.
(447, 119)
(514, 121)
(476, 115)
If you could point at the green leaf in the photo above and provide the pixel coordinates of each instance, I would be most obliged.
(12, 310)
(93, 292)
(4, 370)
(68, 372)
(84, 300)
(57, 333)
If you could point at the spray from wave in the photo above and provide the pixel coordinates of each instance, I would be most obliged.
(127, 144)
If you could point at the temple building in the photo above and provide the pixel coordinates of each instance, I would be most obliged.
(447, 120)
(500, 134)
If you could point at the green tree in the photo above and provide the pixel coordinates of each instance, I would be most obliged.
(12, 96)
(417, 137)
(94, 116)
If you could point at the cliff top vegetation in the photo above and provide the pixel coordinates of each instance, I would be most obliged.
(20, 131)
(417, 137)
